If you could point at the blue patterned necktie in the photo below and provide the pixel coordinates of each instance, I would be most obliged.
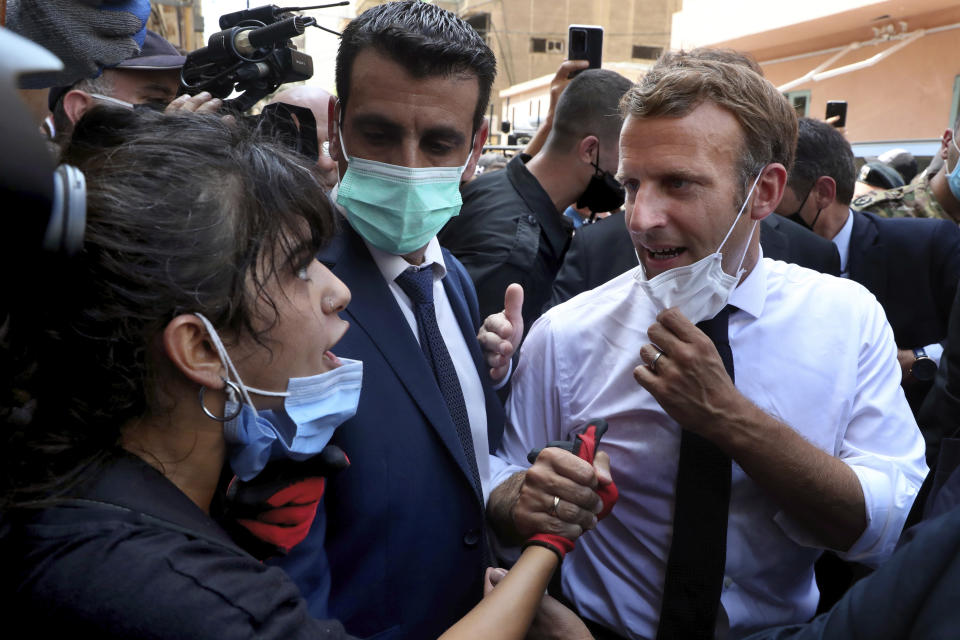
(697, 560)
(418, 285)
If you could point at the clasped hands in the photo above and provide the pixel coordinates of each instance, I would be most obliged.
(566, 491)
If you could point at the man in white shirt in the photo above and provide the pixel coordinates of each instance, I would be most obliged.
(825, 452)
(912, 265)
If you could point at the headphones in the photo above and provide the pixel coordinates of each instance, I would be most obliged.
(48, 205)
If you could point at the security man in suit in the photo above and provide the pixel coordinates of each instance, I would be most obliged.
(912, 266)
(403, 528)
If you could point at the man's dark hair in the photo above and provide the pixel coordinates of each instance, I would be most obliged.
(590, 105)
(822, 151)
(425, 39)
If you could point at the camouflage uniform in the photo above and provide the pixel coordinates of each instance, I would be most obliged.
(914, 200)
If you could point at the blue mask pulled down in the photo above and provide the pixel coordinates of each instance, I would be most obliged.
(953, 177)
(313, 408)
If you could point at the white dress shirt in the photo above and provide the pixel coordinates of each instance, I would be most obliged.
(813, 350)
(842, 242)
(392, 266)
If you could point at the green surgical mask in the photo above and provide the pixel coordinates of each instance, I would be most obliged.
(398, 209)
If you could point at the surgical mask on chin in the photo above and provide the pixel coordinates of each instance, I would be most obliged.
(313, 408)
(953, 177)
(699, 290)
(398, 209)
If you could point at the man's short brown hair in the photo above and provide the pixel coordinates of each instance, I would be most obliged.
(675, 89)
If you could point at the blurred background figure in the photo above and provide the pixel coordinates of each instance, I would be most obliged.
(150, 76)
(490, 162)
(877, 176)
(315, 99)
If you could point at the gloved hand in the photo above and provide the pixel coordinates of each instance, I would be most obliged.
(87, 35)
(583, 445)
(274, 511)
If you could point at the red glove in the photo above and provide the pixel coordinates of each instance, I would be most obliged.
(274, 511)
(584, 446)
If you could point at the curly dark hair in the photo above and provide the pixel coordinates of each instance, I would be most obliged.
(184, 214)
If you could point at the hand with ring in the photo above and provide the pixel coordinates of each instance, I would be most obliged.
(656, 358)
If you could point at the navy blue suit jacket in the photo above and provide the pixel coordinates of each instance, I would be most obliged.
(404, 533)
(912, 595)
(912, 266)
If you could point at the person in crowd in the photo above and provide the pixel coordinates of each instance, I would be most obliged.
(901, 161)
(912, 266)
(604, 251)
(490, 162)
(703, 356)
(317, 100)
(511, 228)
(935, 195)
(404, 532)
(149, 76)
(876, 176)
(160, 363)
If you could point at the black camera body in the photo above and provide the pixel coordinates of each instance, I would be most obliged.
(252, 53)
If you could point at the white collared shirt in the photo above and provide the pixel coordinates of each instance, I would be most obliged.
(812, 350)
(392, 266)
(842, 242)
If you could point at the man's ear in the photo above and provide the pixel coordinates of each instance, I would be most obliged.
(190, 349)
(479, 140)
(825, 191)
(333, 127)
(588, 149)
(769, 191)
(76, 103)
(945, 143)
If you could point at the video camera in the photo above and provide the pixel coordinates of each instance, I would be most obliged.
(253, 54)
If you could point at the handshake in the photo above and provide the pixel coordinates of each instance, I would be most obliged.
(584, 446)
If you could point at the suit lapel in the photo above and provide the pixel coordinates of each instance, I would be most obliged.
(374, 310)
(866, 258)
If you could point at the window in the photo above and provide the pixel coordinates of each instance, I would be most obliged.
(800, 101)
(543, 45)
(481, 24)
(646, 53)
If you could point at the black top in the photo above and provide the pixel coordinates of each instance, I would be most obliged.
(509, 231)
(130, 556)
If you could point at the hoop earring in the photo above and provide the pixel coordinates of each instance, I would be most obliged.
(236, 390)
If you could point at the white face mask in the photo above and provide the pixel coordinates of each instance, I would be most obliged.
(699, 290)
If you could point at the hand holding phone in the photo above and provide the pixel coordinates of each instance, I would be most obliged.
(837, 110)
(585, 42)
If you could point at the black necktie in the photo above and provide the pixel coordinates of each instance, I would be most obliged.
(695, 568)
(418, 285)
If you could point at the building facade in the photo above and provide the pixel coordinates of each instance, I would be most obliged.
(896, 63)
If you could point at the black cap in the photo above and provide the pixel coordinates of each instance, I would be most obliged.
(877, 174)
(156, 55)
(902, 161)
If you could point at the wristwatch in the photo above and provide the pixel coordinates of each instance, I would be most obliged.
(923, 368)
